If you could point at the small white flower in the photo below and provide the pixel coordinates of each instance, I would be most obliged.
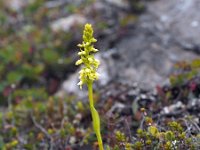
(88, 72)
(79, 62)
(90, 59)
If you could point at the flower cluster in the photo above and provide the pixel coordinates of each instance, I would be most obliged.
(89, 71)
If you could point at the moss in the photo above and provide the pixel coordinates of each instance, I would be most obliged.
(168, 146)
(175, 126)
(152, 138)
(138, 145)
(11, 145)
(120, 137)
(169, 136)
(153, 131)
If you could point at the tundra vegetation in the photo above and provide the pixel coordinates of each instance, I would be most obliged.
(34, 61)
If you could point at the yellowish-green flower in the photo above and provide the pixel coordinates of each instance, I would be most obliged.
(88, 74)
(89, 71)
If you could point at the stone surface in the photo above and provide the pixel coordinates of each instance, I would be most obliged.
(65, 24)
(157, 41)
(119, 3)
(181, 18)
(16, 5)
(147, 55)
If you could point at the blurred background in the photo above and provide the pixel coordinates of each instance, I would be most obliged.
(138, 41)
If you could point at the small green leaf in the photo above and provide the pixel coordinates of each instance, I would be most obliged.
(195, 63)
(96, 121)
(153, 130)
(3, 85)
(50, 56)
(14, 77)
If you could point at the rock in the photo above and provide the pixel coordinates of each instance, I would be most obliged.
(118, 3)
(173, 108)
(153, 46)
(145, 63)
(148, 54)
(181, 19)
(16, 5)
(65, 24)
(117, 107)
(104, 77)
(69, 86)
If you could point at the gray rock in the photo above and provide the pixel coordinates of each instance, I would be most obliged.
(17, 5)
(65, 24)
(118, 3)
(181, 18)
(148, 53)
(151, 49)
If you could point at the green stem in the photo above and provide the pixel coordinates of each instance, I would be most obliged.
(95, 116)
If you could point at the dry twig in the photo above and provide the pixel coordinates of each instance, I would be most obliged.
(43, 130)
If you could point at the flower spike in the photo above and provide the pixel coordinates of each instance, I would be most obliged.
(89, 71)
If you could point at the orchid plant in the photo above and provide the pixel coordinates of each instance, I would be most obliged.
(88, 74)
